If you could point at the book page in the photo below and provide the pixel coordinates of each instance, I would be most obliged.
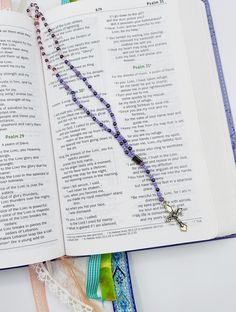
(30, 226)
(134, 54)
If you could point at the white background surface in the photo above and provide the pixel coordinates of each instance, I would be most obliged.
(193, 278)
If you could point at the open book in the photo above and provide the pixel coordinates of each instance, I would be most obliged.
(66, 187)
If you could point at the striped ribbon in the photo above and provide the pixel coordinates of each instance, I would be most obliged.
(93, 277)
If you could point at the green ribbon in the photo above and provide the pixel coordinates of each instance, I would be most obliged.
(106, 279)
(93, 277)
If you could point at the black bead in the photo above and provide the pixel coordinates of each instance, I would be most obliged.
(54, 68)
(57, 75)
(49, 66)
(130, 148)
(118, 133)
(121, 143)
(38, 31)
(46, 60)
(88, 113)
(111, 114)
(74, 99)
(137, 160)
(147, 171)
(58, 48)
(116, 136)
(71, 66)
(43, 53)
(108, 106)
(94, 118)
(84, 79)
(27, 10)
(114, 124)
(101, 99)
(124, 141)
(78, 74)
(80, 106)
(95, 93)
(66, 62)
(61, 56)
(153, 180)
(72, 92)
(41, 48)
(49, 30)
(89, 86)
(53, 36)
(61, 81)
(157, 189)
(45, 24)
(43, 18)
(101, 124)
(109, 130)
(56, 42)
(126, 152)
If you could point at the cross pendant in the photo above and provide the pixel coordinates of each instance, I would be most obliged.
(173, 215)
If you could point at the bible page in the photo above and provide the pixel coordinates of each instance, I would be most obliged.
(133, 53)
(30, 226)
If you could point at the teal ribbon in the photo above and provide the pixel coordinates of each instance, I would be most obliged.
(93, 277)
(65, 1)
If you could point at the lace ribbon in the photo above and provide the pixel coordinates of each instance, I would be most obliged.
(45, 277)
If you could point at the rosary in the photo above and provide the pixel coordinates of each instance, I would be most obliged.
(37, 16)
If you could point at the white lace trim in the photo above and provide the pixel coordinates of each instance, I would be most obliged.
(45, 277)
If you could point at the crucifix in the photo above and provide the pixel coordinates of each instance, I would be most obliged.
(173, 215)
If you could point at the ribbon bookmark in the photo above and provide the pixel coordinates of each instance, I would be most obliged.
(39, 291)
(122, 279)
(93, 277)
(106, 279)
(5, 4)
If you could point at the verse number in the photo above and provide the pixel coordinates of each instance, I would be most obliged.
(98, 9)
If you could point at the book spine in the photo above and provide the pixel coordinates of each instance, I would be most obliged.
(223, 87)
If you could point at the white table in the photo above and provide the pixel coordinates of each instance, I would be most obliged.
(190, 278)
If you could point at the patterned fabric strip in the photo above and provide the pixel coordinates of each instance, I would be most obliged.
(65, 1)
(93, 277)
(39, 291)
(122, 280)
(106, 279)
